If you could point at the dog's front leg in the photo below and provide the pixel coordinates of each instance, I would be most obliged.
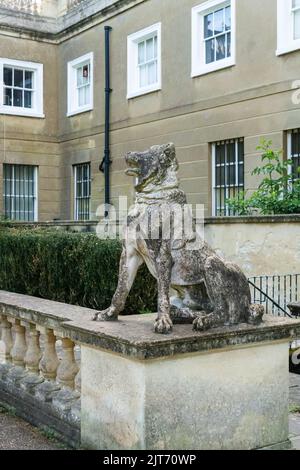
(163, 323)
(129, 264)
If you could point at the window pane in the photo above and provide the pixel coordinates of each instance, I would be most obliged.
(241, 175)
(220, 154)
(219, 21)
(210, 50)
(18, 78)
(208, 26)
(7, 96)
(295, 144)
(79, 76)
(7, 76)
(152, 73)
(297, 24)
(143, 76)
(141, 52)
(83, 75)
(27, 99)
(87, 95)
(81, 96)
(228, 49)
(155, 47)
(296, 3)
(231, 152)
(82, 197)
(18, 98)
(28, 79)
(19, 195)
(220, 47)
(220, 176)
(231, 174)
(228, 18)
(149, 49)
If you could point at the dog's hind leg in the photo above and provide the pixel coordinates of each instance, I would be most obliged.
(205, 321)
(129, 264)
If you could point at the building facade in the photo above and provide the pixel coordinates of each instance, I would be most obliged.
(211, 76)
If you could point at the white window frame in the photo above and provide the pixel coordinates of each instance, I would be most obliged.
(37, 108)
(226, 187)
(75, 173)
(133, 88)
(36, 190)
(285, 28)
(73, 65)
(199, 67)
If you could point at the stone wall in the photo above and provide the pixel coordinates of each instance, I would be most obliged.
(259, 245)
(241, 101)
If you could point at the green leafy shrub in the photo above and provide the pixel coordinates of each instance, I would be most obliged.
(73, 268)
(279, 191)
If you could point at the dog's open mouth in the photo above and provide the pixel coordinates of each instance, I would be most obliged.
(132, 171)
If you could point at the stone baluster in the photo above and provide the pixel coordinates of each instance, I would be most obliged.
(49, 361)
(19, 348)
(32, 358)
(68, 376)
(7, 343)
(17, 372)
(6, 338)
(68, 368)
(33, 353)
(48, 365)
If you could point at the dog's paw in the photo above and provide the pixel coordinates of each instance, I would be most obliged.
(105, 315)
(202, 323)
(163, 325)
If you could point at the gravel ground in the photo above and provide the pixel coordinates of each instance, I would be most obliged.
(16, 434)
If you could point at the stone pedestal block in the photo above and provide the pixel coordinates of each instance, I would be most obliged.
(224, 389)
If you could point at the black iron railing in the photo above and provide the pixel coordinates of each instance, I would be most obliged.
(276, 292)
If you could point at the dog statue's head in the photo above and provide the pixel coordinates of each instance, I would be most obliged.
(155, 169)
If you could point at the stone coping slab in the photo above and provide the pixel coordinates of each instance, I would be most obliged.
(133, 336)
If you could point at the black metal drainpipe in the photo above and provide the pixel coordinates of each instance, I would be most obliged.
(104, 167)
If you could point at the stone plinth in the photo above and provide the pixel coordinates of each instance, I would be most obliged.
(224, 389)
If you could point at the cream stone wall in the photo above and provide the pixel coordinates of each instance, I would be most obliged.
(241, 101)
(34, 141)
(259, 248)
(252, 99)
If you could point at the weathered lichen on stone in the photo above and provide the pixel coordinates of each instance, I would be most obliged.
(194, 284)
(26, 6)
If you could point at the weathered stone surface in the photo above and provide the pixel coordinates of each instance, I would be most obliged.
(133, 336)
(225, 399)
(207, 290)
(122, 393)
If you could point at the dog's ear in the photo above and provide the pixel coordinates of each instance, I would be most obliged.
(167, 156)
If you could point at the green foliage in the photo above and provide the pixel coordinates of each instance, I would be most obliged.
(73, 268)
(294, 409)
(276, 193)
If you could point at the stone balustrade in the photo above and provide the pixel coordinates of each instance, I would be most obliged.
(39, 362)
(140, 390)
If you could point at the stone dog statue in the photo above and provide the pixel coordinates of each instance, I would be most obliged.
(194, 285)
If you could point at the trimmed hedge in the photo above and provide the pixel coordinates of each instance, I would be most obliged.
(67, 267)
